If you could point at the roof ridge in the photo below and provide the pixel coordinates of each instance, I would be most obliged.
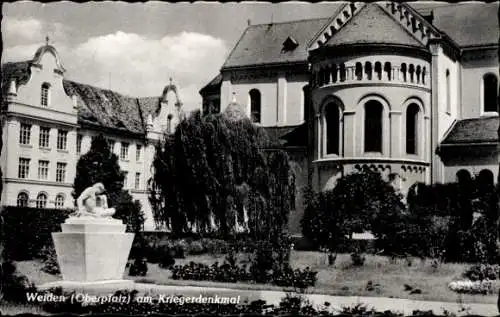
(102, 89)
(290, 21)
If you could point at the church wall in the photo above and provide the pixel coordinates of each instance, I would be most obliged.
(473, 162)
(472, 83)
(396, 98)
(447, 110)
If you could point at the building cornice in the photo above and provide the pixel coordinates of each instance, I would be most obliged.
(35, 182)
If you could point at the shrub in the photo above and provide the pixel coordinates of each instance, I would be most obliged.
(22, 244)
(165, 257)
(480, 272)
(357, 258)
(138, 268)
(49, 256)
(196, 247)
(14, 286)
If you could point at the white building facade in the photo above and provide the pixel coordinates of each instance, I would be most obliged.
(48, 122)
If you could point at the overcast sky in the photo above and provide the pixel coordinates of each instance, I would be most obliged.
(134, 48)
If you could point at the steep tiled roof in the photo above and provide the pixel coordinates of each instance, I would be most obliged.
(287, 135)
(213, 84)
(263, 43)
(372, 25)
(20, 71)
(468, 23)
(101, 107)
(465, 23)
(477, 130)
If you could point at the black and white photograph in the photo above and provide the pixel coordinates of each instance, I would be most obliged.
(250, 158)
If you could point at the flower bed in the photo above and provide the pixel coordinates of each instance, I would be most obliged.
(233, 273)
(472, 287)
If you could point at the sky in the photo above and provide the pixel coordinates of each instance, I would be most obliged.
(134, 48)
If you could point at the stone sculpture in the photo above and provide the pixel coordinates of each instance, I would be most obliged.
(93, 202)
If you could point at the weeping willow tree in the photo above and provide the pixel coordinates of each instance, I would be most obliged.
(217, 174)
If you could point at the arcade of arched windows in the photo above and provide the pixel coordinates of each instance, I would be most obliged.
(378, 71)
(332, 126)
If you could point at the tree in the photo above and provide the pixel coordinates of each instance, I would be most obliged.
(216, 173)
(360, 201)
(99, 164)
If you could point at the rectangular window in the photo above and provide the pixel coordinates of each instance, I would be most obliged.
(24, 168)
(125, 179)
(61, 172)
(62, 139)
(124, 151)
(25, 134)
(43, 170)
(79, 138)
(137, 180)
(44, 97)
(44, 137)
(138, 152)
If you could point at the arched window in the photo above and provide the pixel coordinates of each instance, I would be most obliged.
(463, 176)
(41, 200)
(388, 70)
(378, 70)
(335, 73)
(332, 120)
(486, 179)
(59, 201)
(418, 72)
(490, 93)
(448, 91)
(343, 73)
(359, 71)
(22, 199)
(424, 72)
(411, 71)
(44, 97)
(412, 129)
(373, 126)
(255, 105)
(403, 71)
(368, 70)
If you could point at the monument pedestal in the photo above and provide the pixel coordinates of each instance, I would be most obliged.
(92, 251)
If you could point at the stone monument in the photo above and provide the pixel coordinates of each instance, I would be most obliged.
(92, 247)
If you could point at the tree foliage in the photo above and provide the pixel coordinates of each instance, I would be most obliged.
(360, 201)
(100, 165)
(214, 172)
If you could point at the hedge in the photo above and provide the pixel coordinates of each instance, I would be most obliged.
(28, 230)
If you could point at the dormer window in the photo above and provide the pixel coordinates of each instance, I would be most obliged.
(290, 44)
(44, 98)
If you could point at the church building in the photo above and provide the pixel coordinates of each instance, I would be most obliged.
(409, 90)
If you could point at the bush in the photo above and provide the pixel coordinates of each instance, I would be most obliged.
(480, 272)
(21, 243)
(231, 272)
(138, 268)
(14, 286)
(357, 259)
(49, 256)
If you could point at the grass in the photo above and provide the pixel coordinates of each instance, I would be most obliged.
(340, 279)
(9, 309)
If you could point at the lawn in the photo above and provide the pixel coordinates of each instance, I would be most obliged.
(389, 277)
